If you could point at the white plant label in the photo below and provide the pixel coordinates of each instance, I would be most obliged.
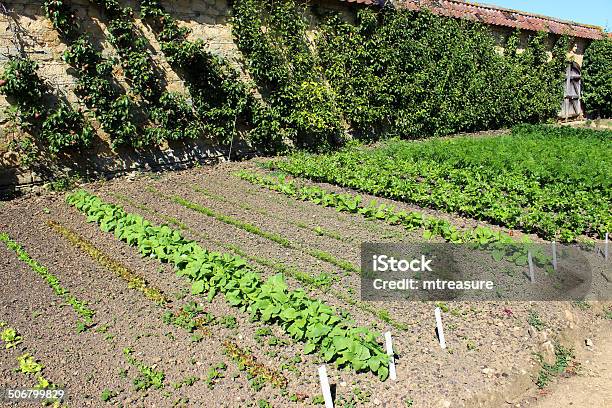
(530, 261)
(439, 327)
(329, 402)
(389, 346)
(606, 248)
(554, 254)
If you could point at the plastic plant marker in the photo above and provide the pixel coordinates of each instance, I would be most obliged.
(531, 272)
(329, 403)
(389, 347)
(554, 255)
(438, 313)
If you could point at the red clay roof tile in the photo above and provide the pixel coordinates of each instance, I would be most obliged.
(499, 16)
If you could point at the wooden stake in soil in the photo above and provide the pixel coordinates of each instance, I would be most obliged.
(389, 346)
(554, 253)
(530, 261)
(439, 327)
(329, 403)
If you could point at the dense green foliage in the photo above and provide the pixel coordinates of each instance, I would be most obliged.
(53, 126)
(597, 78)
(414, 74)
(550, 181)
(272, 35)
(95, 84)
(393, 72)
(302, 317)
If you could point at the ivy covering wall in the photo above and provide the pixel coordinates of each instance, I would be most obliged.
(395, 72)
(412, 74)
(317, 78)
(597, 78)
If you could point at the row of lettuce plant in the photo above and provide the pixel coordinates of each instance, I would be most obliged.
(302, 317)
(501, 245)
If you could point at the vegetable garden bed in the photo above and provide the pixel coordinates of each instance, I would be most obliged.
(160, 339)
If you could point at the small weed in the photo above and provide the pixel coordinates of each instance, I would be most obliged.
(563, 359)
(63, 183)
(149, 377)
(229, 322)
(534, 320)
(257, 383)
(318, 400)
(263, 404)
(107, 395)
(262, 332)
(361, 395)
(582, 305)
(213, 374)
(81, 327)
(443, 306)
(187, 381)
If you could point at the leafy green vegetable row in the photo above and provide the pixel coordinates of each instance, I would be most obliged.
(545, 180)
(500, 245)
(79, 306)
(305, 319)
(411, 220)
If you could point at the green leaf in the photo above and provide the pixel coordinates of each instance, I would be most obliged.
(197, 287)
(309, 348)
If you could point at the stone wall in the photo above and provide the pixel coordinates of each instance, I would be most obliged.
(24, 28)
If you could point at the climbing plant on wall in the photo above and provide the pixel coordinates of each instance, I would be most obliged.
(171, 116)
(52, 125)
(273, 37)
(597, 78)
(411, 74)
(221, 99)
(95, 83)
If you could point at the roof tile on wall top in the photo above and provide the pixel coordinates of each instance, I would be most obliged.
(495, 15)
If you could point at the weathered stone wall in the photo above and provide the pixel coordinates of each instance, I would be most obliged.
(25, 29)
